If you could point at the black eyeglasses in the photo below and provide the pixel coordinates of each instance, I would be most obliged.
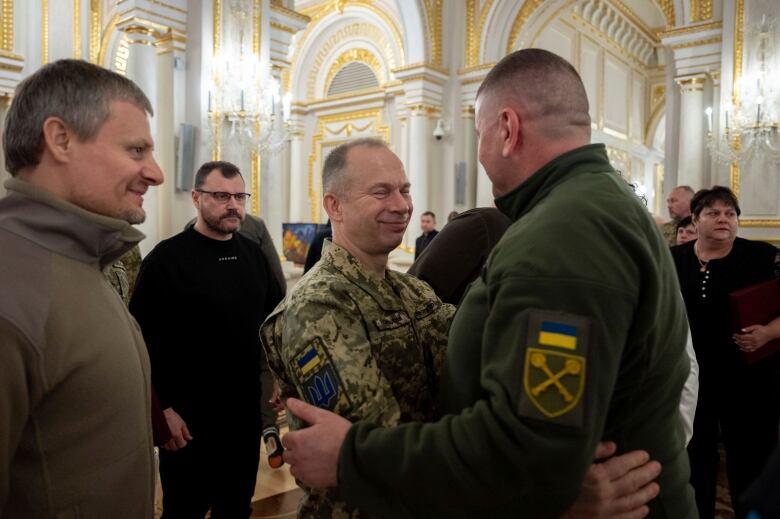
(223, 196)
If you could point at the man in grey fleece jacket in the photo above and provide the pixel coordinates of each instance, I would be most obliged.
(75, 432)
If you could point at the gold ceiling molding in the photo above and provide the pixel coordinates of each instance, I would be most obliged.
(691, 29)
(475, 24)
(358, 29)
(432, 66)
(667, 7)
(351, 56)
(7, 26)
(257, 27)
(697, 43)
(523, 14)
(346, 95)
(475, 68)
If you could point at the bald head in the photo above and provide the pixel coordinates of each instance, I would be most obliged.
(545, 87)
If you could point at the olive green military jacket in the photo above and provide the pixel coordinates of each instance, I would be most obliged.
(575, 332)
(366, 348)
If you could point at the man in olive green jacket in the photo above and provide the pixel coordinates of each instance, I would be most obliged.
(574, 332)
(75, 431)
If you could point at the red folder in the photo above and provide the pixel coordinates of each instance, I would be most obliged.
(756, 304)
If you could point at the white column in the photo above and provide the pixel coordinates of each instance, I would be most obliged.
(470, 155)
(165, 151)
(484, 188)
(419, 142)
(271, 172)
(299, 188)
(692, 132)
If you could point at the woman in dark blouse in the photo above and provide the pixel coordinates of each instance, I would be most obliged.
(737, 400)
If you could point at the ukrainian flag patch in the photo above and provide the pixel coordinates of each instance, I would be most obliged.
(554, 368)
(552, 333)
(317, 379)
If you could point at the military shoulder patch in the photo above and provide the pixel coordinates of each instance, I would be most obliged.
(317, 378)
(554, 367)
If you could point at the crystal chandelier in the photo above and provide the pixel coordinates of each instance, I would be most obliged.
(751, 129)
(245, 94)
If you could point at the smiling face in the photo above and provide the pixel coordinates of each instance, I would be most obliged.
(376, 207)
(717, 222)
(110, 173)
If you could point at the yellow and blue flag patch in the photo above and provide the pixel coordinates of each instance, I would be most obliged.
(317, 378)
(554, 360)
(552, 333)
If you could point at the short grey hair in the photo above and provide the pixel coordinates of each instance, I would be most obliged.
(545, 83)
(77, 92)
(334, 179)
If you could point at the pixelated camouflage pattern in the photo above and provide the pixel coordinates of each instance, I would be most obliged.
(386, 339)
(122, 273)
(669, 230)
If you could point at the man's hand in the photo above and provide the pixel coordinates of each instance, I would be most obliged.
(179, 432)
(618, 488)
(313, 452)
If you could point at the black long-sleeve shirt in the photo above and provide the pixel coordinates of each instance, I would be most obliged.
(200, 303)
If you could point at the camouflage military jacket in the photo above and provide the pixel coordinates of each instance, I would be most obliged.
(365, 348)
(669, 230)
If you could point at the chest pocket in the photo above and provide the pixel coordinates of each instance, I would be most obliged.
(396, 349)
(425, 311)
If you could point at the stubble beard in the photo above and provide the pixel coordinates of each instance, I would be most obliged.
(132, 216)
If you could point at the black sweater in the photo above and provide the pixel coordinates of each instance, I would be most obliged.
(200, 303)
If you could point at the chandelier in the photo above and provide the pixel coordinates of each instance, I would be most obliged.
(752, 127)
(244, 93)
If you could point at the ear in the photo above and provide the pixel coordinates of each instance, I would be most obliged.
(196, 199)
(58, 139)
(333, 207)
(510, 128)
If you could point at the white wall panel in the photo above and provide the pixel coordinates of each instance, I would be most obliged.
(590, 71)
(616, 90)
(558, 38)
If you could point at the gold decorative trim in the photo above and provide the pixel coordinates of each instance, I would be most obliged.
(76, 29)
(750, 222)
(7, 27)
(158, 26)
(701, 10)
(690, 81)
(364, 29)
(44, 31)
(691, 30)
(483, 14)
(472, 41)
(697, 43)
(257, 32)
(282, 27)
(289, 12)
(351, 56)
(475, 68)
(432, 66)
(422, 109)
(254, 181)
(739, 28)
(422, 77)
(107, 33)
(433, 17)
(94, 30)
(667, 7)
(523, 14)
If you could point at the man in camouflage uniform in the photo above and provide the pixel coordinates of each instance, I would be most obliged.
(354, 337)
(679, 205)
(122, 273)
